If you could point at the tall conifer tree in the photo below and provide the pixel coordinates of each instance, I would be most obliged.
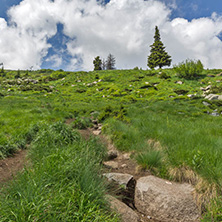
(158, 56)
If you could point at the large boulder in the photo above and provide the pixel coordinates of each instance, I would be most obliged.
(125, 212)
(165, 201)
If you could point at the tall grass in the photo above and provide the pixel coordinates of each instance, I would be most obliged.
(63, 183)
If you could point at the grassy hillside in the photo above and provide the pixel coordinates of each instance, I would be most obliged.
(173, 131)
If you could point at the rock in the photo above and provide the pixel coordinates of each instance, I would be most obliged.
(220, 74)
(165, 201)
(208, 88)
(111, 164)
(215, 114)
(119, 178)
(126, 156)
(96, 132)
(191, 96)
(213, 97)
(126, 213)
(112, 154)
(179, 82)
(206, 104)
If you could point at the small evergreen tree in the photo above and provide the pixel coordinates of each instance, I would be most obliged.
(103, 64)
(158, 57)
(110, 62)
(97, 63)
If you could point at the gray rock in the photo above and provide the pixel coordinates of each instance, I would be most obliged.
(126, 213)
(191, 96)
(212, 97)
(215, 114)
(119, 178)
(165, 201)
(206, 104)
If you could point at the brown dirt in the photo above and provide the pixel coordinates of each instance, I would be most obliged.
(11, 165)
(126, 165)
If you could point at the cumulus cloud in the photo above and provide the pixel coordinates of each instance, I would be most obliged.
(124, 28)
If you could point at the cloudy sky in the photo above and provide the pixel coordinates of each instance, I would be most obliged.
(68, 34)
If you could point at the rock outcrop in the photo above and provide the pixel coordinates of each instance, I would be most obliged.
(165, 201)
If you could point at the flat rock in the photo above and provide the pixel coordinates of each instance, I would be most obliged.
(119, 178)
(125, 212)
(165, 201)
(111, 164)
(213, 97)
(96, 132)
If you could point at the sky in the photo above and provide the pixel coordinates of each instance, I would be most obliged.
(69, 34)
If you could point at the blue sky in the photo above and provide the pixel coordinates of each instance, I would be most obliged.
(49, 40)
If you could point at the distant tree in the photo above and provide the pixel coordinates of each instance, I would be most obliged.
(2, 67)
(158, 56)
(97, 63)
(110, 62)
(103, 64)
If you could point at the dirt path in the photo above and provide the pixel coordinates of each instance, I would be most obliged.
(11, 165)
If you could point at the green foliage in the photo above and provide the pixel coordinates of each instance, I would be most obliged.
(82, 123)
(150, 159)
(163, 75)
(189, 69)
(97, 63)
(158, 57)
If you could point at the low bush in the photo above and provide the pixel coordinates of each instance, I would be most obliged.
(188, 69)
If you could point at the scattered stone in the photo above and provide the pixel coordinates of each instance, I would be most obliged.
(95, 121)
(179, 82)
(213, 97)
(111, 164)
(208, 87)
(96, 132)
(119, 178)
(215, 114)
(165, 201)
(191, 96)
(126, 156)
(218, 80)
(206, 104)
(126, 213)
(112, 154)
(123, 165)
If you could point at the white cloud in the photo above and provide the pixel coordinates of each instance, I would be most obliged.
(124, 28)
(56, 60)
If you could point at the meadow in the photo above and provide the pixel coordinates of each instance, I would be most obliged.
(164, 119)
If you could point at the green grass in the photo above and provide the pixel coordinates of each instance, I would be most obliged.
(63, 183)
(134, 106)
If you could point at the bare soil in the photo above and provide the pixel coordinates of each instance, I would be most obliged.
(11, 165)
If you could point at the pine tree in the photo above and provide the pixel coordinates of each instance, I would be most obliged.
(158, 56)
(110, 62)
(97, 63)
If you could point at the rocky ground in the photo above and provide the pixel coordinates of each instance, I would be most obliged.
(134, 193)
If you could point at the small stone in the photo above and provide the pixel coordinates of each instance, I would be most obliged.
(191, 96)
(112, 154)
(123, 165)
(119, 178)
(126, 156)
(111, 164)
(179, 82)
(126, 213)
(96, 132)
(206, 104)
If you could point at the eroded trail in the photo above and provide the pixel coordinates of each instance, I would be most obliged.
(12, 165)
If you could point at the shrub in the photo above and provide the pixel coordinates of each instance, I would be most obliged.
(150, 159)
(189, 69)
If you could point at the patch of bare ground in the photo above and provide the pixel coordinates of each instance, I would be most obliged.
(10, 166)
